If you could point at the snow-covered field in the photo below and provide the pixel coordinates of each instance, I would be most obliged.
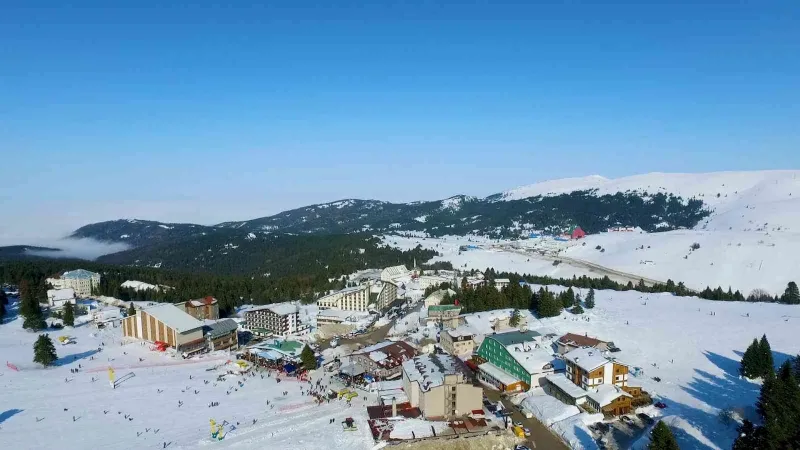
(54, 408)
(749, 241)
(695, 354)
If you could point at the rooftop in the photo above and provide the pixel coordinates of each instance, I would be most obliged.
(502, 280)
(535, 359)
(429, 370)
(221, 328)
(61, 294)
(208, 300)
(396, 353)
(498, 373)
(462, 331)
(587, 359)
(394, 271)
(442, 308)
(579, 341)
(606, 393)
(515, 337)
(173, 317)
(569, 388)
(79, 274)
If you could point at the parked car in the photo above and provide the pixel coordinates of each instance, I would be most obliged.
(601, 427)
(522, 447)
(517, 424)
(645, 418)
(660, 405)
(527, 432)
(626, 420)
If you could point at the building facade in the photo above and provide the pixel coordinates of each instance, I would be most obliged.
(386, 293)
(519, 356)
(206, 308)
(169, 324)
(281, 319)
(394, 272)
(383, 360)
(81, 281)
(57, 298)
(459, 341)
(440, 386)
(222, 335)
(570, 342)
(350, 299)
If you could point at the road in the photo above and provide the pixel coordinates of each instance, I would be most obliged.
(541, 437)
(616, 275)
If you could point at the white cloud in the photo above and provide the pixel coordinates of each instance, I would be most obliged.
(84, 248)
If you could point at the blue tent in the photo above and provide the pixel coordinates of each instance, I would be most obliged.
(533, 235)
(289, 368)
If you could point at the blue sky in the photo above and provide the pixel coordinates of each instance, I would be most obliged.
(205, 113)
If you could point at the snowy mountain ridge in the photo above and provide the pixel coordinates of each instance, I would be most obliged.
(738, 200)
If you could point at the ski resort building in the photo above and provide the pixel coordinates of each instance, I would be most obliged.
(383, 360)
(394, 272)
(500, 283)
(350, 299)
(515, 361)
(571, 341)
(222, 335)
(57, 298)
(206, 308)
(436, 297)
(459, 341)
(382, 294)
(169, 324)
(280, 319)
(440, 386)
(80, 280)
(596, 380)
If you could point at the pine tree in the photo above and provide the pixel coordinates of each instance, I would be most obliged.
(29, 309)
(44, 352)
(750, 437)
(565, 300)
(589, 302)
(661, 438)
(308, 358)
(69, 315)
(571, 297)
(767, 365)
(750, 366)
(792, 294)
(131, 309)
(577, 309)
(514, 320)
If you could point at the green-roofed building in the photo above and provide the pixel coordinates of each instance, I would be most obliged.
(447, 315)
(516, 360)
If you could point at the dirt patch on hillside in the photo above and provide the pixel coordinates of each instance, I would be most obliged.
(502, 442)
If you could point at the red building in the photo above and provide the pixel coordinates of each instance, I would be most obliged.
(577, 233)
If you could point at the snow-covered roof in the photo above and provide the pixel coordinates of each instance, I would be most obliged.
(197, 303)
(60, 294)
(429, 370)
(173, 317)
(497, 373)
(79, 274)
(378, 356)
(283, 309)
(587, 359)
(462, 331)
(573, 390)
(394, 271)
(535, 360)
(502, 281)
(606, 393)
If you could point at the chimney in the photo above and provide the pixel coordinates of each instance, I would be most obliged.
(394, 407)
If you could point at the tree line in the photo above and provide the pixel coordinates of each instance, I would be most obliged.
(778, 403)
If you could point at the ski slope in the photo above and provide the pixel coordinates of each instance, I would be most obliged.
(738, 200)
(41, 410)
(696, 355)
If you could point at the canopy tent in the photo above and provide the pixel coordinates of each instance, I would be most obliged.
(267, 354)
(352, 370)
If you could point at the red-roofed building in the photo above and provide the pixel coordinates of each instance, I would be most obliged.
(577, 233)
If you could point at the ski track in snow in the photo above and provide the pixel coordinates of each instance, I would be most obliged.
(295, 422)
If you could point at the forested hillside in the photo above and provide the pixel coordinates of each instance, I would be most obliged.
(234, 252)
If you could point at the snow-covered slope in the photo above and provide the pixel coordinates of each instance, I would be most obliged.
(739, 200)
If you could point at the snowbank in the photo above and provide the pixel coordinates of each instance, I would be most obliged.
(547, 409)
(416, 428)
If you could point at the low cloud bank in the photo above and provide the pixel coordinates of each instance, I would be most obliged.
(83, 248)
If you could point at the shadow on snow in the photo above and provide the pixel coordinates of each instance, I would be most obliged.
(64, 360)
(5, 415)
